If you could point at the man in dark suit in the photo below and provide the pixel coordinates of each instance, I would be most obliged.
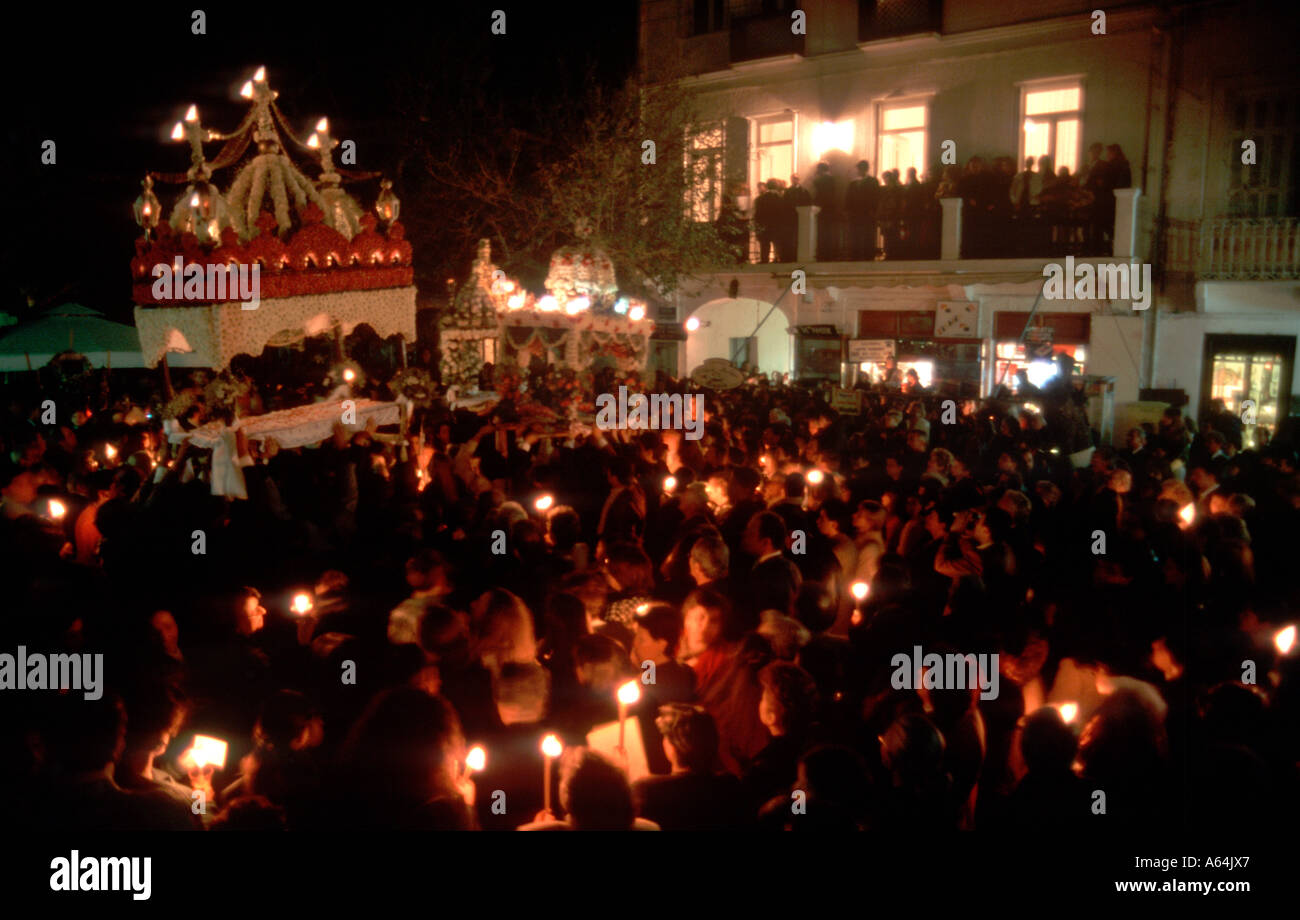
(860, 203)
(622, 519)
(826, 197)
(774, 581)
(767, 217)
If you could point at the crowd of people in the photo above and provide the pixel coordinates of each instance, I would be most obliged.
(387, 628)
(1006, 213)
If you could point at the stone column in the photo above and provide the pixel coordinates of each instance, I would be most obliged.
(950, 241)
(1126, 219)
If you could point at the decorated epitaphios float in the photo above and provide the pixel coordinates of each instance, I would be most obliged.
(545, 354)
(276, 257)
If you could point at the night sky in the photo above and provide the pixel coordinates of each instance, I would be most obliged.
(107, 83)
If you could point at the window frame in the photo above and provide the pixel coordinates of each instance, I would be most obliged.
(757, 122)
(1071, 81)
(717, 174)
(924, 102)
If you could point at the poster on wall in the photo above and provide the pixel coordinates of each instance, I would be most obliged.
(956, 320)
(873, 351)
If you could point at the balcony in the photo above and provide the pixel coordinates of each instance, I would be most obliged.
(1234, 248)
(879, 19)
(951, 233)
(763, 36)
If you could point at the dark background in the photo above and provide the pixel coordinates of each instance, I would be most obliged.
(406, 83)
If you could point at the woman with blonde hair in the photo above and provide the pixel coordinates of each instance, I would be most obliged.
(503, 630)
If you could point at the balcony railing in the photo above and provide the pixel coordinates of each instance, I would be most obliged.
(894, 18)
(951, 233)
(763, 37)
(1234, 248)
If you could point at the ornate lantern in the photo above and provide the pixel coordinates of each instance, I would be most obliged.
(148, 211)
(387, 205)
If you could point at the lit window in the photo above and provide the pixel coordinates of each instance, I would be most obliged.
(1052, 124)
(903, 138)
(775, 156)
(705, 152)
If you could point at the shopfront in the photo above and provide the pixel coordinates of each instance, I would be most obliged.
(1027, 344)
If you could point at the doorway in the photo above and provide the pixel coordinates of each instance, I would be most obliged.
(1258, 368)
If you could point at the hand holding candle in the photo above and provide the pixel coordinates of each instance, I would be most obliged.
(551, 749)
(628, 694)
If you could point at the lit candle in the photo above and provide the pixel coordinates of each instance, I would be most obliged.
(349, 375)
(1188, 515)
(58, 510)
(476, 759)
(544, 502)
(110, 451)
(815, 477)
(551, 749)
(302, 603)
(1068, 711)
(628, 694)
(204, 752)
(670, 483)
(1284, 640)
(860, 590)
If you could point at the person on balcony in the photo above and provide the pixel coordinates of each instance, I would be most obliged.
(1094, 178)
(891, 214)
(795, 197)
(733, 229)
(860, 205)
(976, 190)
(913, 214)
(826, 197)
(768, 223)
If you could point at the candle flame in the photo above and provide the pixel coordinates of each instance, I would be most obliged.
(476, 759)
(670, 483)
(302, 603)
(349, 375)
(247, 89)
(204, 752)
(515, 301)
(629, 693)
(860, 589)
(636, 314)
(1188, 514)
(58, 510)
(544, 502)
(323, 126)
(178, 132)
(192, 113)
(194, 201)
(260, 76)
(551, 746)
(1285, 639)
(1069, 711)
(312, 142)
(110, 451)
(815, 477)
(642, 609)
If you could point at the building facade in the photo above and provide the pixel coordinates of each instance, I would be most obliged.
(950, 275)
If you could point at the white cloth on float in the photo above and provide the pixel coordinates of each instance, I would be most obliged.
(228, 464)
